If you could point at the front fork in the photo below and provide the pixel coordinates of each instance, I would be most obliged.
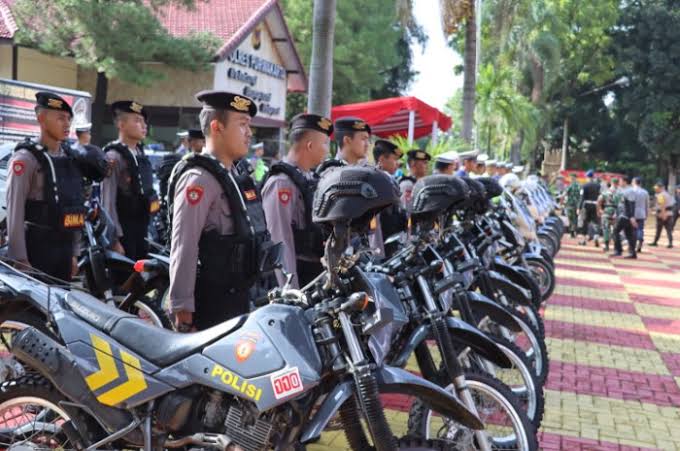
(454, 371)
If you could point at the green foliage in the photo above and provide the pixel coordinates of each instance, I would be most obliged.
(114, 36)
(372, 57)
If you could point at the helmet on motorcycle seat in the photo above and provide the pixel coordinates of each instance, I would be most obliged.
(478, 201)
(437, 193)
(352, 194)
(492, 187)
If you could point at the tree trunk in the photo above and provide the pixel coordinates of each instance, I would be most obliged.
(99, 108)
(538, 77)
(516, 149)
(469, 77)
(321, 65)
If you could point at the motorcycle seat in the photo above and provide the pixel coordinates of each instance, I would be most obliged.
(159, 346)
(164, 347)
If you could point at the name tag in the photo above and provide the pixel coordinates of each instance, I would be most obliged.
(74, 220)
(154, 206)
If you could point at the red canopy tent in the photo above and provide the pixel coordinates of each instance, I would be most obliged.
(405, 116)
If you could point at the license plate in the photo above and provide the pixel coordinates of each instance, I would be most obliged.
(74, 220)
(286, 383)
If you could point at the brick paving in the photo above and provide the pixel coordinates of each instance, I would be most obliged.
(613, 334)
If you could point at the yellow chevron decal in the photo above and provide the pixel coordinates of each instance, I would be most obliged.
(107, 366)
(135, 382)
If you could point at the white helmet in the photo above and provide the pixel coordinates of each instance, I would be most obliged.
(510, 181)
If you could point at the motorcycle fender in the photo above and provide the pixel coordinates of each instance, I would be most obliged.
(396, 380)
(118, 262)
(513, 291)
(532, 255)
(329, 407)
(478, 341)
(517, 275)
(486, 307)
(421, 333)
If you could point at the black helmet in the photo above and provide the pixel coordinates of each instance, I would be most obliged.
(92, 162)
(352, 194)
(477, 202)
(437, 193)
(492, 187)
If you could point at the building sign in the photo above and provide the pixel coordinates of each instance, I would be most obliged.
(17, 109)
(254, 70)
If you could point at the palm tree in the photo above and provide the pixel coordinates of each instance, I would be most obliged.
(321, 65)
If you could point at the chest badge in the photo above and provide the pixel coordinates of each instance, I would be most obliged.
(250, 194)
(194, 194)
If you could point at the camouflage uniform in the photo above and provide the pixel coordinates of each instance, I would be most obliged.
(608, 201)
(573, 198)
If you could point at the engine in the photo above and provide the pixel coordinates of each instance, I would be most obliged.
(186, 412)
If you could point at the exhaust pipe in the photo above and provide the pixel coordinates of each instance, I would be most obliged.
(56, 363)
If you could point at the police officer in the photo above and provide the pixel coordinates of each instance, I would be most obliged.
(45, 199)
(393, 219)
(446, 163)
(196, 140)
(83, 133)
(216, 219)
(607, 203)
(625, 220)
(469, 160)
(128, 194)
(287, 197)
(352, 136)
(571, 203)
(665, 204)
(641, 211)
(480, 169)
(417, 161)
(588, 209)
(490, 168)
(676, 210)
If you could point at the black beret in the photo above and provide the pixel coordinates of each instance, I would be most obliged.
(51, 101)
(196, 133)
(128, 106)
(312, 122)
(417, 154)
(351, 124)
(222, 100)
(383, 146)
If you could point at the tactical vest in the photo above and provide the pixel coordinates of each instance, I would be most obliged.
(63, 204)
(308, 239)
(230, 261)
(141, 201)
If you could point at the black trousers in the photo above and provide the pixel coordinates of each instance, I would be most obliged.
(590, 219)
(666, 224)
(624, 225)
(50, 251)
(217, 303)
(135, 231)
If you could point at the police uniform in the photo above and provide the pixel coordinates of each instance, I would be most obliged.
(45, 201)
(406, 183)
(128, 193)
(287, 197)
(466, 156)
(625, 210)
(218, 230)
(665, 204)
(588, 205)
(445, 159)
(392, 220)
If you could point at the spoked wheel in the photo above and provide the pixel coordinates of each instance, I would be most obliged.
(150, 309)
(506, 425)
(520, 378)
(31, 417)
(543, 275)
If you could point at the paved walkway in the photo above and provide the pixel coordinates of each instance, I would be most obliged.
(613, 331)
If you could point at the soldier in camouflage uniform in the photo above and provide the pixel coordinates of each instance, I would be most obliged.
(572, 201)
(606, 204)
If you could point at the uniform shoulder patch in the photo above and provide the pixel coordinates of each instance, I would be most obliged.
(194, 194)
(284, 195)
(18, 167)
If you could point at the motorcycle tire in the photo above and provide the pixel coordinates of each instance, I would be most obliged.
(420, 416)
(544, 275)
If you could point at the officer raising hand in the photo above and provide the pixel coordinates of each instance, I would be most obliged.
(45, 201)
(218, 229)
(287, 197)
